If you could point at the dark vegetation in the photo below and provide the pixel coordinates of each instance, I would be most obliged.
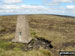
(39, 42)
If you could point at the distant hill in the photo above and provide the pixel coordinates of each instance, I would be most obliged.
(39, 14)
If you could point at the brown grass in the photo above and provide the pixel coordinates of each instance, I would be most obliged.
(60, 30)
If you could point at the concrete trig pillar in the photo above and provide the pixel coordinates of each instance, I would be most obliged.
(22, 30)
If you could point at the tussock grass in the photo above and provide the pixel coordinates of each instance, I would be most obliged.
(57, 29)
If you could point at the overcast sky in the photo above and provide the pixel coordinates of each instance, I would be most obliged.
(62, 7)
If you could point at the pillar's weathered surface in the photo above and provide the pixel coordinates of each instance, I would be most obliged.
(22, 30)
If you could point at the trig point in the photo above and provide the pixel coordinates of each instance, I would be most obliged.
(22, 30)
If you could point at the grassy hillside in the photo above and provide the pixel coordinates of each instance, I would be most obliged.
(60, 30)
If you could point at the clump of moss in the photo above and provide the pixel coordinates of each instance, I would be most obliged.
(4, 44)
(45, 51)
(33, 33)
(7, 45)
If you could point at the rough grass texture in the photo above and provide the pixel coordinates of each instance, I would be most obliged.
(57, 29)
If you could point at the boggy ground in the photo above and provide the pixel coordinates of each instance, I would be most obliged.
(58, 30)
(35, 43)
